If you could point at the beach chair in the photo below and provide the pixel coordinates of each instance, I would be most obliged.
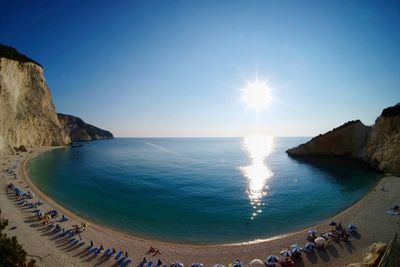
(93, 250)
(126, 263)
(98, 251)
(149, 263)
(72, 240)
(111, 253)
(75, 242)
(106, 252)
(119, 254)
(120, 261)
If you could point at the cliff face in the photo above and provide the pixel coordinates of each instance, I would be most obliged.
(384, 144)
(78, 130)
(27, 113)
(348, 140)
(378, 145)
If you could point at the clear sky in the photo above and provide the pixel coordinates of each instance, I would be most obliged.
(176, 68)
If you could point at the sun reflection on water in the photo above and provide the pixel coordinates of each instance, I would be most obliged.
(258, 147)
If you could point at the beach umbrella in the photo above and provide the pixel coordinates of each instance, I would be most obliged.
(312, 232)
(256, 263)
(238, 264)
(296, 250)
(352, 227)
(327, 235)
(320, 241)
(286, 253)
(177, 264)
(332, 223)
(218, 265)
(272, 260)
(309, 246)
(197, 264)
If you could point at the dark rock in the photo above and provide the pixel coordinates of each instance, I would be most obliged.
(378, 145)
(78, 130)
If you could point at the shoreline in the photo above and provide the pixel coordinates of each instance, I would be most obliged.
(26, 176)
(219, 253)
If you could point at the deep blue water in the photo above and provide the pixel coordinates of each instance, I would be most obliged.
(199, 190)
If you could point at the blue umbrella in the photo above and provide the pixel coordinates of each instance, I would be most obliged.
(272, 260)
(352, 227)
(309, 246)
(296, 250)
(238, 264)
(286, 253)
(332, 223)
(177, 264)
(197, 264)
(312, 232)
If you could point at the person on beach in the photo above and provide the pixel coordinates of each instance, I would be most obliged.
(126, 254)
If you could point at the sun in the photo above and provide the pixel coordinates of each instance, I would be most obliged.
(257, 95)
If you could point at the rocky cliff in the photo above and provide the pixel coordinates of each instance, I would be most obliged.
(384, 143)
(349, 140)
(27, 113)
(378, 145)
(78, 130)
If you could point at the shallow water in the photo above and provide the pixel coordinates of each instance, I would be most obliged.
(199, 190)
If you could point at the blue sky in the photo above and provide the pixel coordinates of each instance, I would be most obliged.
(175, 68)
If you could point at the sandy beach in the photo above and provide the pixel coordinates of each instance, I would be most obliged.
(49, 250)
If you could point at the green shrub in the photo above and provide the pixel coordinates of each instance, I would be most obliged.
(11, 252)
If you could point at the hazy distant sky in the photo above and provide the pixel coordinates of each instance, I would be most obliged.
(175, 68)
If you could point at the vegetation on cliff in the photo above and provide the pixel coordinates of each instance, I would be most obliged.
(12, 53)
(391, 111)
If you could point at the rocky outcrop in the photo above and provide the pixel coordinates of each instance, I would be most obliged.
(373, 256)
(27, 113)
(348, 140)
(384, 143)
(378, 145)
(78, 130)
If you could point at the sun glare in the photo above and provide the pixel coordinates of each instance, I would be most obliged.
(257, 95)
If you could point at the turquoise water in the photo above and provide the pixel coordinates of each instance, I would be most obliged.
(199, 190)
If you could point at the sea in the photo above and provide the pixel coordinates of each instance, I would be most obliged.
(200, 190)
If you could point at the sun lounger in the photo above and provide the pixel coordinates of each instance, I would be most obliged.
(75, 242)
(119, 254)
(392, 212)
(72, 240)
(126, 263)
(93, 250)
(98, 251)
(149, 263)
(111, 253)
(106, 252)
(120, 261)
